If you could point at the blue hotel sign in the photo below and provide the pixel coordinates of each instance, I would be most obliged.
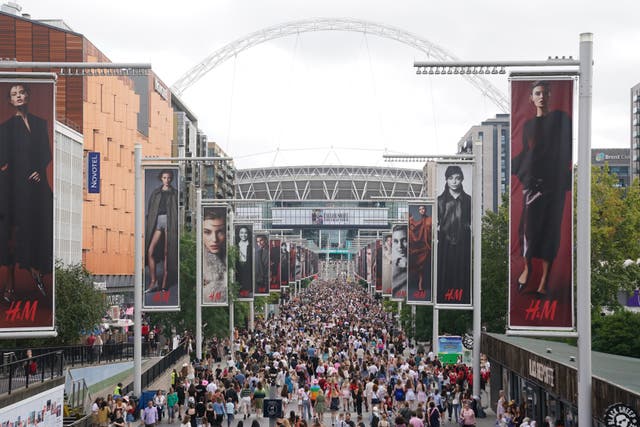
(93, 172)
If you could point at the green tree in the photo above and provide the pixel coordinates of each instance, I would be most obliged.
(495, 267)
(79, 306)
(615, 237)
(617, 333)
(215, 320)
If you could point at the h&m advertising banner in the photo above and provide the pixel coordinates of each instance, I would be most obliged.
(541, 215)
(454, 183)
(26, 205)
(275, 262)
(261, 264)
(399, 262)
(244, 264)
(215, 286)
(420, 244)
(161, 239)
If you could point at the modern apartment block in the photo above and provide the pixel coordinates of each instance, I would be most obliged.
(219, 176)
(494, 134)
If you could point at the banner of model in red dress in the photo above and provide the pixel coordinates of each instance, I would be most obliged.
(420, 253)
(541, 262)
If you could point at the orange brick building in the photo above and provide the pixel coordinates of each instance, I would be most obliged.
(113, 113)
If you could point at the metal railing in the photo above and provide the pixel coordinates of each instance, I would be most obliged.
(26, 372)
(151, 374)
(80, 355)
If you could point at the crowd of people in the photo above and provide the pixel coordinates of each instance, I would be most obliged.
(330, 353)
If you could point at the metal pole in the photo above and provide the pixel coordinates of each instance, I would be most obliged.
(137, 266)
(477, 263)
(199, 273)
(251, 315)
(400, 314)
(436, 330)
(583, 238)
(232, 279)
(413, 322)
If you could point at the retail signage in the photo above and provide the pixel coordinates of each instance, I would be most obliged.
(542, 372)
(93, 176)
(620, 415)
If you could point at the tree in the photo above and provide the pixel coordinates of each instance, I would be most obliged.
(617, 333)
(615, 237)
(495, 267)
(79, 306)
(214, 319)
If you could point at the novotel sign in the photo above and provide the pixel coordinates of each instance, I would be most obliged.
(93, 172)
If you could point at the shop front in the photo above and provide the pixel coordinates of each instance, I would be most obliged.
(541, 378)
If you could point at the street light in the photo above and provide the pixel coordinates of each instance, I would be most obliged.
(583, 239)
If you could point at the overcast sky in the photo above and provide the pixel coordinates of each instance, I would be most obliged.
(344, 98)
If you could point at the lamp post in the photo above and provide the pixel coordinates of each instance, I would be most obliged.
(139, 255)
(583, 240)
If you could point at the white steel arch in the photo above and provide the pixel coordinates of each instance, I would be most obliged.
(333, 24)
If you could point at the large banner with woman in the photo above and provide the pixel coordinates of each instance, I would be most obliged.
(244, 263)
(215, 288)
(453, 251)
(162, 239)
(387, 263)
(399, 259)
(541, 262)
(420, 253)
(26, 205)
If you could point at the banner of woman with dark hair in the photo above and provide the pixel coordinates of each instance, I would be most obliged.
(244, 263)
(453, 251)
(215, 288)
(399, 259)
(274, 263)
(27, 117)
(541, 262)
(420, 254)
(161, 280)
(262, 264)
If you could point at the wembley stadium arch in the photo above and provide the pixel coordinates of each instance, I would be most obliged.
(431, 50)
(333, 209)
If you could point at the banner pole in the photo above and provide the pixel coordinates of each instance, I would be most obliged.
(477, 264)
(137, 266)
(583, 230)
(435, 330)
(199, 273)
